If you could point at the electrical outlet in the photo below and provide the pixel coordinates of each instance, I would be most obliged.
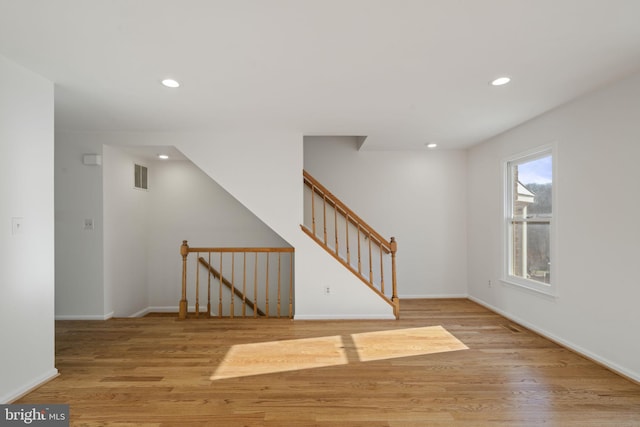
(327, 290)
(489, 283)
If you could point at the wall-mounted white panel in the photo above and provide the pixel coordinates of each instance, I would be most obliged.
(26, 230)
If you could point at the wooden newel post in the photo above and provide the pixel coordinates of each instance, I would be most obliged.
(394, 297)
(184, 251)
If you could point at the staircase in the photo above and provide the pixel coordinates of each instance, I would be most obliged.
(351, 241)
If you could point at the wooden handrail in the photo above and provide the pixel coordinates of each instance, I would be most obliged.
(237, 250)
(229, 285)
(334, 201)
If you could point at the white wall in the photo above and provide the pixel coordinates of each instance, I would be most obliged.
(126, 231)
(596, 220)
(79, 254)
(349, 297)
(26, 258)
(419, 197)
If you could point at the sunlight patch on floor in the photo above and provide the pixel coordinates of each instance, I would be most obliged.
(281, 356)
(405, 343)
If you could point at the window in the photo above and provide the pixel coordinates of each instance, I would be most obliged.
(140, 177)
(529, 216)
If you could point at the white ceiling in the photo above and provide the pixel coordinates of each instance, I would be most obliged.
(402, 72)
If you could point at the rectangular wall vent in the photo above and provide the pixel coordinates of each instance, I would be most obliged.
(140, 177)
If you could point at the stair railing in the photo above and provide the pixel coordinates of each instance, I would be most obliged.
(267, 280)
(335, 227)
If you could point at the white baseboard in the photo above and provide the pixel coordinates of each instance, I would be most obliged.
(166, 309)
(343, 317)
(141, 313)
(436, 296)
(170, 309)
(29, 387)
(84, 316)
(561, 341)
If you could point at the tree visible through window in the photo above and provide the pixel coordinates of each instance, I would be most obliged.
(529, 217)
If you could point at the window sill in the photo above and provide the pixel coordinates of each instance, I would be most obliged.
(547, 291)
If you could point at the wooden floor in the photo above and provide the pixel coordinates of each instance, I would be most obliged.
(445, 363)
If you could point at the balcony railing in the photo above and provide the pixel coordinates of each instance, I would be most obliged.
(239, 282)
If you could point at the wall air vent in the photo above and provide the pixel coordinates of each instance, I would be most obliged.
(140, 177)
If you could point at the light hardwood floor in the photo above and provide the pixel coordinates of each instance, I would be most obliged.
(445, 363)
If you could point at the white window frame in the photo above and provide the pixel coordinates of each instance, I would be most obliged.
(508, 193)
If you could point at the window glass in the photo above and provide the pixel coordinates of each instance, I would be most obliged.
(529, 218)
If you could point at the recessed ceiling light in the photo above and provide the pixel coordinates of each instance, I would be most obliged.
(163, 156)
(170, 83)
(432, 145)
(500, 81)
